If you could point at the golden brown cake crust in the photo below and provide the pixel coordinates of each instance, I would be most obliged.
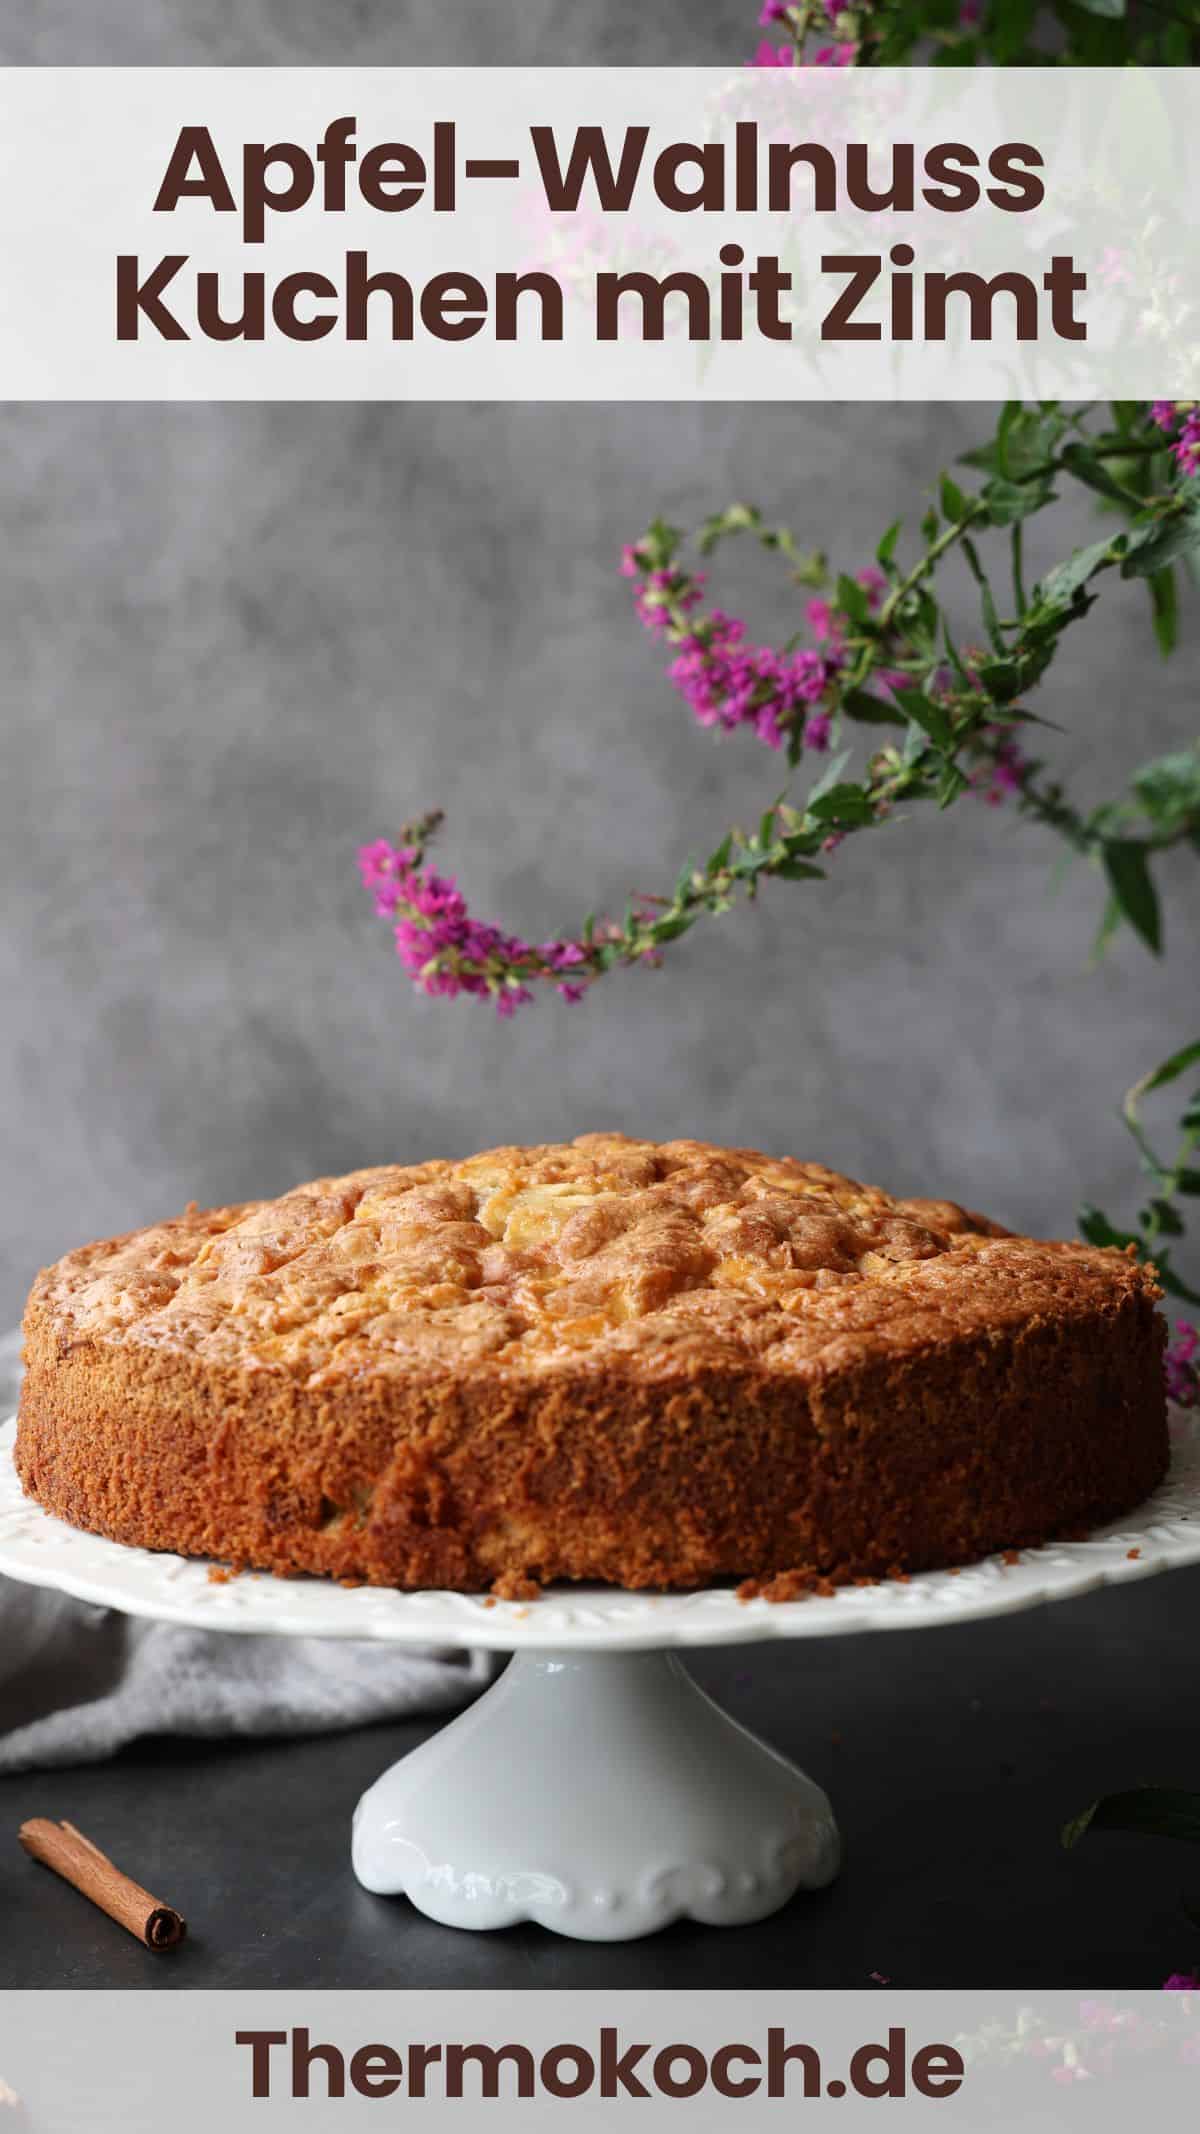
(654, 1364)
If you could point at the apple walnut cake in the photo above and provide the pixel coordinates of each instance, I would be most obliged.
(610, 1359)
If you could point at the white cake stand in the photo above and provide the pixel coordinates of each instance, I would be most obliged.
(595, 1789)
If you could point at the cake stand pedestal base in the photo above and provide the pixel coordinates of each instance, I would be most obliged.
(601, 1794)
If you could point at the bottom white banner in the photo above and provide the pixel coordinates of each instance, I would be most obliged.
(71, 2062)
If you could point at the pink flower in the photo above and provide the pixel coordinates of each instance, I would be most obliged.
(774, 55)
(443, 948)
(1181, 1365)
(1004, 773)
(825, 621)
(1187, 447)
(1184, 416)
(730, 683)
(1182, 1982)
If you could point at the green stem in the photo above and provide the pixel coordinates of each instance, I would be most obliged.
(1018, 568)
(933, 554)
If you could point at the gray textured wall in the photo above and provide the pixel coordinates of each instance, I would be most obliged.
(240, 640)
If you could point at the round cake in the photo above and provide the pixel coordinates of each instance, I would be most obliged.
(653, 1365)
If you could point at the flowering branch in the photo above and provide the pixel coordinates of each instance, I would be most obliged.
(882, 655)
(445, 950)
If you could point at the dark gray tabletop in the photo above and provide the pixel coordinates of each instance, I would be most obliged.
(952, 1755)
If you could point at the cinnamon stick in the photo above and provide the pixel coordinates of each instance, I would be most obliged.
(64, 1849)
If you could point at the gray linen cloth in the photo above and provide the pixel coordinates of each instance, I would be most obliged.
(79, 1683)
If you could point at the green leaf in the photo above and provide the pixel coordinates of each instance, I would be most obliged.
(1167, 1220)
(1096, 1228)
(955, 656)
(1170, 1071)
(1010, 24)
(954, 504)
(921, 612)
(916, 741)
(932, 718)
(798, 871)
(1016, 715)
(993, 456)
(1008, 501)
(1083, 463)
(990, 617)
(869, 710)
(660, 544)
(1077, 1827)
(1063, 583)
(852, 598)
(951, 783)
(1163, 540)
(1128, 873)
(1016, 545)
(1012, 416)
(1003, 679)
(1155, 1811)
(664, 930)
(1169, 789)
(1110, 10)
(829, 776)
(887, 547)
(842, 803)
(983, 456)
